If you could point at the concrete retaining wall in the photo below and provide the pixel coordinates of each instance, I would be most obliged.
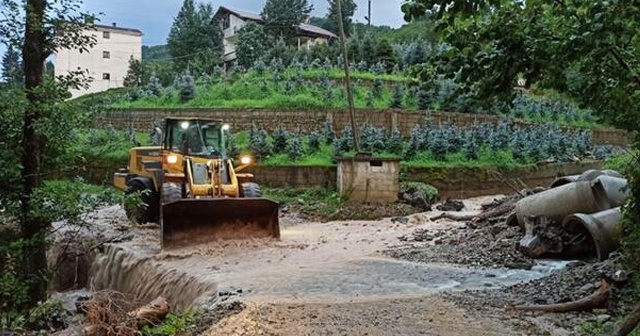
(450, 182)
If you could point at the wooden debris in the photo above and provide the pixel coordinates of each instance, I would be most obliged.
(151, 313)
(109, 314)
(599, 299)
(630, 323)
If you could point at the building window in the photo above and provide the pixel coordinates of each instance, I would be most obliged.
(106, 54)
(226, 22)
(106, 35)
(106, 76)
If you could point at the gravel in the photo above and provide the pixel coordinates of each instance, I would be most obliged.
(486, 245)
(493, 244)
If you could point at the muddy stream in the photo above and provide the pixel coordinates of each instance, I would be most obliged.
(313, 263)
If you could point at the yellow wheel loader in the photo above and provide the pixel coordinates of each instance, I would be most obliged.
(192, 189)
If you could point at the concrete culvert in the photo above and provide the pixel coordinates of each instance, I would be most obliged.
(603, 228)
(609, 192)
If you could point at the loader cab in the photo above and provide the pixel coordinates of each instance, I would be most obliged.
(196, 137)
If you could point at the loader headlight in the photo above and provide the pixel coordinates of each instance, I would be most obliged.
(171, 159)
(226, 127)
(245, 160)
(184, 125)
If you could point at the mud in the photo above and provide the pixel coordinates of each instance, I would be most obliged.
(344, 277)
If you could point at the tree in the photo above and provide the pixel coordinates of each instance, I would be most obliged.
(40, 135)
(544, 43)
(135, 74)
(282, 17)
(252, 44)
(12, 67)
(587, 50)
(195, 39)
(348, 9)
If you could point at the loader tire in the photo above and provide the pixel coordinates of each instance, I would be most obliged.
(147, 213)
(171, 192)
(250, 190)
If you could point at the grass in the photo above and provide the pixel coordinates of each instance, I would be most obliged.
(316, 201)
(305, 89)
(621, 163)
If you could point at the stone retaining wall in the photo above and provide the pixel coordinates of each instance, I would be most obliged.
(306, 121)
(450, 182)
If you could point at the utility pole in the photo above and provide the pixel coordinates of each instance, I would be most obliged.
(369, 14)
(347, 78)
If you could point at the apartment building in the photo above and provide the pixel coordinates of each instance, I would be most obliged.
(233, 20)
(107, 61)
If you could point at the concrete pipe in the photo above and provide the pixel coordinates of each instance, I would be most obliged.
(609, 191)
(590, 175)
(603, 228)
(560, 181)
(557, 203)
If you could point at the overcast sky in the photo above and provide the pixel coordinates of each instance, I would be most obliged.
(154, 17)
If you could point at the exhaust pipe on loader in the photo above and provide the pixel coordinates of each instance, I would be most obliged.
(200, 221)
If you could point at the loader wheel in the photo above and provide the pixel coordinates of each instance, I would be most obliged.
(149, 211)
(171, 192)
(251, 190)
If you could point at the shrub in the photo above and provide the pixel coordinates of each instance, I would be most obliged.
(259, 144)
(280, 138)
(328, 132)
(377, 88)
(294, 148)
(394, 142)
(154, 87)
(396, 99)
(428, 192)
(187, 88)
(315, 139)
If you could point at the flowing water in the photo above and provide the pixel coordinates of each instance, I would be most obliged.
(331, 262)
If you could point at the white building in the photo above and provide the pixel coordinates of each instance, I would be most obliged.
(233, 20)
(107, 61)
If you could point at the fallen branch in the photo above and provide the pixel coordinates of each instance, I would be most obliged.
(630, 323)
(107, 314)
(599, 299)
(151, 313)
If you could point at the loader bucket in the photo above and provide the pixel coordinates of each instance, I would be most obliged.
(198, 221)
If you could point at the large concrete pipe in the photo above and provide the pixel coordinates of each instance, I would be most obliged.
(557, 203)
(609, 191)
(588, 175)
(560, 181)
(603, 229)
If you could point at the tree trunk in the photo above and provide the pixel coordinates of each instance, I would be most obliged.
(32, 229)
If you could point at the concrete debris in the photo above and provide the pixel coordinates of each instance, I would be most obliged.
(577, 217)
(451, 205)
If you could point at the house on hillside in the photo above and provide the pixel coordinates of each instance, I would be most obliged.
(232, 20)
(107, 61)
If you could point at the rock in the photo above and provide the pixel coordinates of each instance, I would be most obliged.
(588, 288)
(401, 220)
(451, 205)
(603, 318)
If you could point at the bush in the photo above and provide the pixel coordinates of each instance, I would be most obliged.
(428, 192)
(187, 88)
(398, 95)
(259, 143)
(280, 138)
(314, 142)
(394, 143)
(294, 148)
(173, 324)
(328, 132)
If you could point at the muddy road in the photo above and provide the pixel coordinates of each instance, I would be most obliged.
(338, 278)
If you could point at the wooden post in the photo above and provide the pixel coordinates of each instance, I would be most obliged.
(347, 79)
